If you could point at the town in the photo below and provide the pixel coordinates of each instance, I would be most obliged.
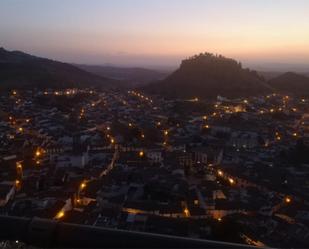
(234, 170)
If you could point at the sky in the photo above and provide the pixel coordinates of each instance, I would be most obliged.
(157, 32)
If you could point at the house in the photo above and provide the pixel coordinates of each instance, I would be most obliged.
(154, 156)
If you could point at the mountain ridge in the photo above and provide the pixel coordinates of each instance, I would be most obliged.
(22, 70)
(134, 76)
(291, 82)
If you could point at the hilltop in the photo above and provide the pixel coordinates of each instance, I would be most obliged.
(208, 75)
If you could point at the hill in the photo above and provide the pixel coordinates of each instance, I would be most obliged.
(268, 75)
(21, 70)
(134, 76)
(291, 83)
(207, 76)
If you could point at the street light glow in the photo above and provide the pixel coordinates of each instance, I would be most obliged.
(18, 165)
(288, 199)
(231, 180)
(60, 214)
(186, 211)
(83, 185)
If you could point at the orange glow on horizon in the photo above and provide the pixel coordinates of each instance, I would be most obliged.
(244, 30)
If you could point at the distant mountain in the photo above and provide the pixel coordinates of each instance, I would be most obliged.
(279, 67)
(21, 70)
(207, 75)
(268, 75)
(291, 83)
(133, 76)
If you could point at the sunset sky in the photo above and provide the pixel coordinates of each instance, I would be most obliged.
(157, 32)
